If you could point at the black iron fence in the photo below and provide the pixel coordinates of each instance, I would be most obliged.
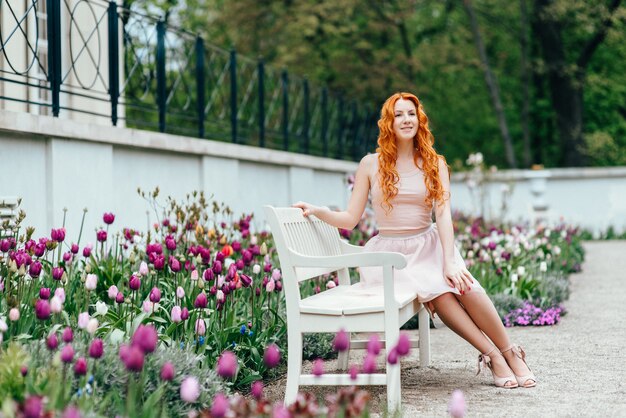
(66, 54)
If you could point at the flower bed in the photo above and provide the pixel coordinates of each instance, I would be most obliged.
(175, 318)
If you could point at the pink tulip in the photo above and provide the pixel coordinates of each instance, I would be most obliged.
(155, 295)
(146, 338)
(220, 406)
(14, 314)
(354, 371)
(200, 326)
(108, 218)
(143, 269)
(341, 341)
(180, 292)
(457, 407)
(33, 407)
(227, 365)
(257, 390)
(52, 342)
(60, 293)
(42, 309)
(374, 345)
(167, 372)
(174, 265)
(83, 320)
(55, 305)
(96, 349)
(194, 275)
(271, 285)
(404, 345)
(392, 357)
(175, 315)
(369, 364)
(67, 336)
(119, 298)
(133, 358)
(271, 357)
(67, 354)
(91, 282)
(112, 292)
(318, 367)
(189, 389)
(71, 412)
(80, 367)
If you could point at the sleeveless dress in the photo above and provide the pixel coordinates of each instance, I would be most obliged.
(408, 229)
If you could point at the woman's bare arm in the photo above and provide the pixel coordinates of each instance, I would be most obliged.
(350, 217)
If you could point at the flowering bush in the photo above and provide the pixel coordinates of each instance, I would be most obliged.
(530, 314)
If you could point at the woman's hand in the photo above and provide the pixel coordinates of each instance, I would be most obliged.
(307, 208)
(458, 277)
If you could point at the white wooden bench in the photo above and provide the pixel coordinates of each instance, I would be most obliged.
(308, 248)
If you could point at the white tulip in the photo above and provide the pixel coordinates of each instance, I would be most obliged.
(92, 326)
(101, 308)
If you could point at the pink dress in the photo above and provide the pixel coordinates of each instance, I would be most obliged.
(408, 229)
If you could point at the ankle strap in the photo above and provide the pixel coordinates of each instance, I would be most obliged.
(510, 347)
(487, 354)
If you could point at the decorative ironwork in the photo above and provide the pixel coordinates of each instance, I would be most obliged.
(170, 80)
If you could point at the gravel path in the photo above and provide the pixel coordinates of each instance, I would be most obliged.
(580, 363)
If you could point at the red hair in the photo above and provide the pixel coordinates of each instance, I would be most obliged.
(423, 144)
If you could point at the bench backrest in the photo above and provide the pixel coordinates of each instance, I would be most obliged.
(307, 236)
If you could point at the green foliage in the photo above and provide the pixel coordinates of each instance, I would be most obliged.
(318, 345)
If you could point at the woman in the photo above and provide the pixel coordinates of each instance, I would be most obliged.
(407, 179)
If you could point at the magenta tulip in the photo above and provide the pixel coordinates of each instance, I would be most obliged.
(101, 235)
(167, 372)
(133, 358)
(58, 235)
(404, 345)
(52, 342)
(35, 269)
(201, 301)
(67, 354)
(80, 367)
(220, 406)
(341, 341)
(227, 365)
(108, 218)
(155, 295)
(42, 309)
(68, 335)
(369, 364)
(318, 367)
(257, 389)
(44, 293)
(146, 338)
(96, 349)
(134, 283)
(57, 273)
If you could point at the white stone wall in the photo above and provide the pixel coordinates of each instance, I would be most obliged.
(55, 164)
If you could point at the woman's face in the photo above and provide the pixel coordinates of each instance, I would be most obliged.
(405, 121)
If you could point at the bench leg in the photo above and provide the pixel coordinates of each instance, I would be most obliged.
(344, 357)
(294, 366)
(424, 333)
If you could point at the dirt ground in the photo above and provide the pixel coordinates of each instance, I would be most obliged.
(580, 363)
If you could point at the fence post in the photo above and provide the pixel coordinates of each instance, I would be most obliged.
(160, 70)
(325, 122)
(200, 87)
(261, 75)
(233, 95)
(307, 119)
(354, 131)
(285, 84)
(114, 60)
(340, 128)
(54, 53)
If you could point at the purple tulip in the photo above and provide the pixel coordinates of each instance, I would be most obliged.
(67, 257)
(217, 266)
(404, 345)
(87, 252)
(174, 265)
(40, 250)
(227, 365)
(246, 281)
(108, 218)
(201, 301)
(44, 293)
(42, 309)
(134, 283)
(236, 246)
(67, 354)
(146, 338)
(119, 298)
(279, 285)
(101, 235)
(24, 371)
(57, 273)
(33, 407)
(96, 349)
(167, 372)
(220, 257)
(220, 406)
(271, 357)
(74, 249)
(35, 269)
(341, 341)
(155, 295)
(5, 245)
(58, 235)
(184, 314)
(208, 275)
(247, 257)
(52, 342)
(133, 358)
(80, 367)
(67, 336)
(170, 243)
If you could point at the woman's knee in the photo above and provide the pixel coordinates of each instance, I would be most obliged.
(444, 299)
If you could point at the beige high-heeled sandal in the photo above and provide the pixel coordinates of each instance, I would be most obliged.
(526, 381)
(501, 382)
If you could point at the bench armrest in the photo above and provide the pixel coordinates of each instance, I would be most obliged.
(347, 248)
(370, 259)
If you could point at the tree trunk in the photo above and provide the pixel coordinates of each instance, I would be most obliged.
(492, 85)
(525, 71)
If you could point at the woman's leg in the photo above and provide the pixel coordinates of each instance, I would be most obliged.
(482, 312)
(457, 319)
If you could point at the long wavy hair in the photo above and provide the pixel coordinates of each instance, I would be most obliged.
(423, 144)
